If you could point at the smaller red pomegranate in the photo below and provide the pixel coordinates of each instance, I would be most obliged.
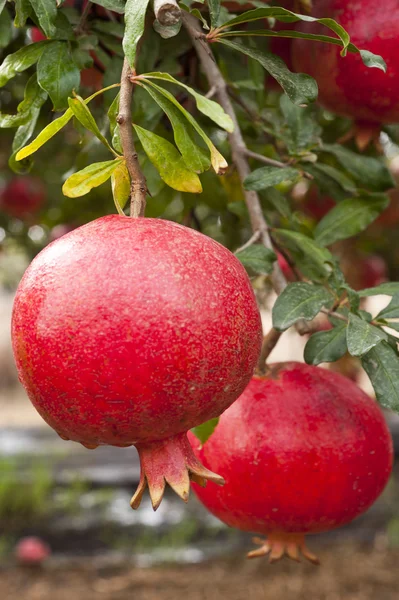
(346, 86)
(303, 450)
(130, 332)
(22, 197)
(32, 551)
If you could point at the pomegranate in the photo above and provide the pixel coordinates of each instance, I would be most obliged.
(346, 85)
(303, 450)
(32, 551)
(22, 196)
(130, 332)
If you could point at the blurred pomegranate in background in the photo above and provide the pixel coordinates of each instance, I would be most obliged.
(32, 551)
(22, 196)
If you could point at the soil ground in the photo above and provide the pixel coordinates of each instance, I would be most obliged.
(348, 572)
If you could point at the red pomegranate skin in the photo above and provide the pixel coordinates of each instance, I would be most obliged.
(22, 197)
(346, 86)
(303, 450)
(130, 331)
(32, 551)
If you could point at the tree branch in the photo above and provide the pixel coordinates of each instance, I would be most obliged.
(138, 186)
(167, 12)
(275, 163)
(269, 342)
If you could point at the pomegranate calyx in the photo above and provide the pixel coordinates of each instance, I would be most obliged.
(278, 545)
(169, 461)
(364, 134)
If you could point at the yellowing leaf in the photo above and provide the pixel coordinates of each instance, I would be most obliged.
(83, 181)
(120, 181)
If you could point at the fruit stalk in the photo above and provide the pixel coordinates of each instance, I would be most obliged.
(167, 12)
(138, 186)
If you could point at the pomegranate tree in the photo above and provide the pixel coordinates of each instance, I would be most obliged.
(347, 86)
(303, 450)
(130, 332)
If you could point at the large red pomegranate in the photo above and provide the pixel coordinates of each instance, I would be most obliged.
(131, 331)
(303, 450)
(346, 85)
(22, 196)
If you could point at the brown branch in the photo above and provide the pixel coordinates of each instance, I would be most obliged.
(269, 342)
(167, 12)
(138, 186)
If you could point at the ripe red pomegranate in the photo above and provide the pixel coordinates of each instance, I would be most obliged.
(346, 86)
(132, 331)
(303, 450)
(32, 551)
(22, 196)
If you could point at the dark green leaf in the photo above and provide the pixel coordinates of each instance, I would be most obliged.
(361, 336)
(300, 88)
(34, 98)
(5, 28)
(349, 218)
(371, 173)
(135, 11)
(83, 181)
(258, 258)
(23, 10)
(110, 27)
(117, 6)
(2, 5)
(392, 310)
(329, 180)
(382, 366)
(303, 129)
(21, 60)
(57, 73)
(299, 301)
(279, 202)
(214, 10)
(203, 432)
(22, 135)
(266, 177)
(326, 346)
(313, 260)
(46, 12)
(389, 289)
(113, 112)
(334, 174)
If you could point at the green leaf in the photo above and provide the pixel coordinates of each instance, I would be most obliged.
(135, 11)
(258, 258)
(350, 217)
(266, 177)
(84, 116)
(326, 346)
(313, 260)
(46, 12)
(214, 11)
(120, 181)
(333, 174)
(299, 301)
(361, 336)
(167, 31)
(5, 29)
(195, 157)
(279, 202)
(204, 431)
(22, 135)
(23, 11)
(382, 366)
(329, 180)
(34, 98)
(371, 173)
(117, 6)
(169, 163)
(21, 60)
(300, 88)
(303, 129)
(113, 112)
(82, 182)
(208, 107)
(392, 310)
(391, 288)
(218, 161)
(45, 135)
(57, 73)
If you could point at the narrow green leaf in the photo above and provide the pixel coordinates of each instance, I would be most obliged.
(195, 157)
(22, 135)
(84, 116)
(326, 346)
(23, 10)
(313, 260)
(350, 217)
(361, 336)
(329, 180)
(2, 5)
(258, 258)
(266, 177)
(83, 181)
(21, 60)
(299, 301)
(303, 130)
(335, 174)
(392, 310)
(57, 73)
(5, 29)
(279, 202)
(168, 162)
(135, 11)
(203, 432)
(120, 181)
(214, 11)
(46, 12)
(218, 161)
(382, 366)
(117, 6)
(300, 88)
(113, 112)
(34, 98)
(390, 288)
(208, 107)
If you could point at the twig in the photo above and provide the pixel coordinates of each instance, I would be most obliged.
(80, 27)
(254, 238)
(138, 186)
(269, 342)
(266, 159)
(167, 12)
(331, 313)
